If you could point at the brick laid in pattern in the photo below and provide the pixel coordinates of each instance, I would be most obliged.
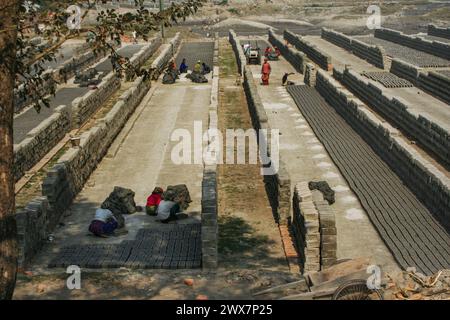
(408, 228)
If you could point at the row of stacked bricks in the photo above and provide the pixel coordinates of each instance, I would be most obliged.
(209, 218)
(311, 230)
(328, 237)
(310, 75)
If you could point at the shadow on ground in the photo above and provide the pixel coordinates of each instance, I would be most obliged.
(239, 241)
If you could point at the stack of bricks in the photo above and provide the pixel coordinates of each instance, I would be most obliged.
(209, 219)
(328, 237)
(310, 231)
(310, 75)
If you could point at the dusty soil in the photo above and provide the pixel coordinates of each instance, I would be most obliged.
(249, 236)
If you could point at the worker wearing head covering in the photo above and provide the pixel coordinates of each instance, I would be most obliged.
(198, 67)
(265, 71)
(168, 208)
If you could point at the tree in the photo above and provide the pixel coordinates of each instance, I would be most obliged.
(22, 64)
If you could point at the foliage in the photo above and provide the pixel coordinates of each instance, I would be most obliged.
(53, 22)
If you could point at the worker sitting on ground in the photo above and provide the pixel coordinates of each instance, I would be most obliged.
(104, 223)
(168, 208)
(171, 74)
(153, 201)
(268, 51)
(183, 67)
(265, 71)
(205, 69)
(197, 75)
(198, 67)
(284, 80)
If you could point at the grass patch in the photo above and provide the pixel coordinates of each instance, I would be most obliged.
(227, 61)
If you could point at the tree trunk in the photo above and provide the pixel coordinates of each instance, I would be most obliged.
(8, 232)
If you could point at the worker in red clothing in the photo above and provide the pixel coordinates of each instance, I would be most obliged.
(265, 71)
(153, 201)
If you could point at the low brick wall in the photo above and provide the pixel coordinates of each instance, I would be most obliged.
(67, 178)
(296, 58)
(144, 54)
(210, 228)
(375, 55)
(429, 134)
(257, 111)
(438, 32)
(238, 51)
(437, 48)
(405, 70)
(40, 141)
(80, 62)
(82, 48)
(83, 58)
(278, 186)
(424, 180)
(168, 53)
(85, 106)
(32, 229)
(434, 83)
(48, 86)
(337, 38)
(315, 54)
(52, 77)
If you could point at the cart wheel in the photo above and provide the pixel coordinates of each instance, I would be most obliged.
(356, 290)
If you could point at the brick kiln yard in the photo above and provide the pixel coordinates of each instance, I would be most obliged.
(373, 126)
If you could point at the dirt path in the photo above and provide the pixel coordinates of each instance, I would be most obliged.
(249, 235)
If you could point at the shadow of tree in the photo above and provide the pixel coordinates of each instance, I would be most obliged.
(237, 236)
(240, 242)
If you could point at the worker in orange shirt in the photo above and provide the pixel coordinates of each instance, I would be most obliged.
(265, 71)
